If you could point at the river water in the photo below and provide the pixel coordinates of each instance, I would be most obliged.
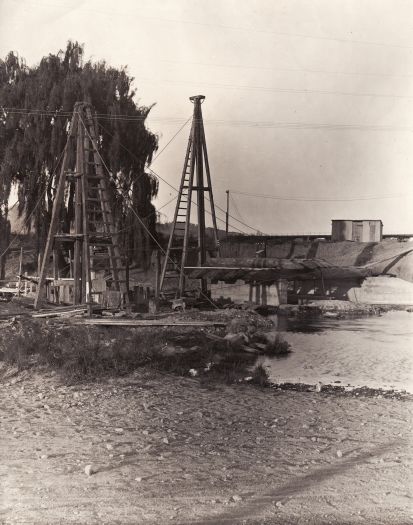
(376, 351)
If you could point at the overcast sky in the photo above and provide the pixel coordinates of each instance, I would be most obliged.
(305, 99)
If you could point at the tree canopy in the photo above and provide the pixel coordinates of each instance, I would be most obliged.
(36, 104)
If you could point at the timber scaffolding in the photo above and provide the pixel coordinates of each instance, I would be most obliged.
(94, 241)
(192, 181)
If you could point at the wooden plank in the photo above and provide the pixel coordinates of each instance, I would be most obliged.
(55, 313)
(146, 322)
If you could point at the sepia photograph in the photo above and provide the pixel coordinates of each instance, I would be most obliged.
(206, 262)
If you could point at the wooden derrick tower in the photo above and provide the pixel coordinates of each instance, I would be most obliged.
(94, 242)
(195, 166)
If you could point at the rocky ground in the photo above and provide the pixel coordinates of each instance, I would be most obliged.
(152, 448)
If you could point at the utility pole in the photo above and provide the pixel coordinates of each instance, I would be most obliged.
(227, 214)
(196, 165)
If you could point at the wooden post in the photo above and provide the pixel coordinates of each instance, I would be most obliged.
(257, 294)
(251, 290)
(55, 276)
(55, 265)
(20, 271)
(70, 264)
(86, 276)
(157, 274)
(227, 214)
(127, 275)
(154, 301)
(77, 285)
(264, 294)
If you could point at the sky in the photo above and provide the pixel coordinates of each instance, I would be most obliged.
(309, 104)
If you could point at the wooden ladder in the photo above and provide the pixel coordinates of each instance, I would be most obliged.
(101, 240)
(179, 236)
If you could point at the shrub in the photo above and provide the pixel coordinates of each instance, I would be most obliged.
(274, 344)
(260, 376)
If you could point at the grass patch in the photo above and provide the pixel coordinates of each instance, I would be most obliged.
(79, 353)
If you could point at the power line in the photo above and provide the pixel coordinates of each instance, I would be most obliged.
(235, 219)
(100, 116)
(235, 206)
(196, 204)
(167, 144)
(238, 28)
(303, 199)
(235, 123)
(266, 89)
(288, 70)
(174, 188)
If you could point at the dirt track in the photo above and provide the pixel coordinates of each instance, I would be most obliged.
(169, 450)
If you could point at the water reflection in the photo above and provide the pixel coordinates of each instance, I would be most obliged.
(372, 351)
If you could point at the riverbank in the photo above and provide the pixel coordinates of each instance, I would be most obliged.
(166, 449)
(124, 426)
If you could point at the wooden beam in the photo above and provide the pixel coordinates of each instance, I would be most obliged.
(147, 322)
(77, 274)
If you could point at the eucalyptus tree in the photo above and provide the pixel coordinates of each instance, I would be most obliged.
(36, 104)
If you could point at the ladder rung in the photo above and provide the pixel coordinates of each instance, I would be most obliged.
(101, 268)
(105, 256)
